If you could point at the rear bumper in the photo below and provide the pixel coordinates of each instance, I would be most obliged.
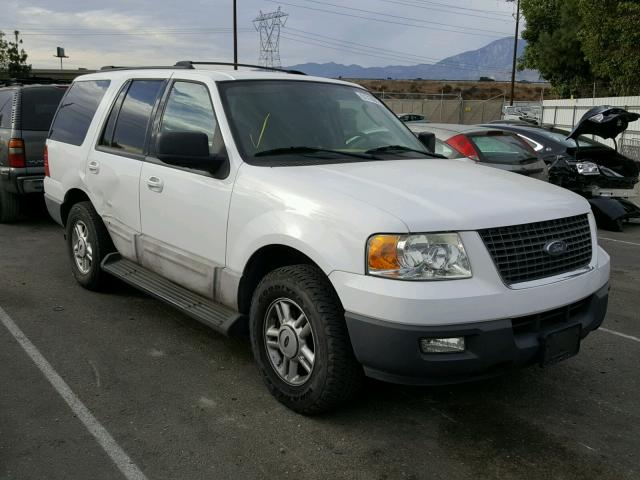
(390, 351)
(22, 181)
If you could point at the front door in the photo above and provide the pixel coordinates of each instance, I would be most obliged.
(184, 211)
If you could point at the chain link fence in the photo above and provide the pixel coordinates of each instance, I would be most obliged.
(445, 108)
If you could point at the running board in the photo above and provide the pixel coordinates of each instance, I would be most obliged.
(219, 317)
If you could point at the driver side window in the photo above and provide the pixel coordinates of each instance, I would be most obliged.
(189, 109)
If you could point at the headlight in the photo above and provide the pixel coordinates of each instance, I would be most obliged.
(587, 168)
(426, 256)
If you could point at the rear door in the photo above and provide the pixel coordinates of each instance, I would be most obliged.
(114, 165)
(184, 211)
(37, 107)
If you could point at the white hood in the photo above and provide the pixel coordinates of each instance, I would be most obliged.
(436, 195)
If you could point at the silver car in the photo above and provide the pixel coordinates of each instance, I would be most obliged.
(490, 147)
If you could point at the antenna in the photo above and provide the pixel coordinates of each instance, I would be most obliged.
(268, 25)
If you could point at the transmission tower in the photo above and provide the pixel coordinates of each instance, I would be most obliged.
(268, 26)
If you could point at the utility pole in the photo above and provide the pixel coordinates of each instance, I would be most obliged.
(235, 36)
(515, 53)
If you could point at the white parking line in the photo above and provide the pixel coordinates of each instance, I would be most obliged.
(619, 241)
(106, 441)
(623, 335)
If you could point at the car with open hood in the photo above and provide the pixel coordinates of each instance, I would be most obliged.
(584, 165)
(302, 210)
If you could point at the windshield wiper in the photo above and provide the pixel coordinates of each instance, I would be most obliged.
(308, 150)
(401, 148)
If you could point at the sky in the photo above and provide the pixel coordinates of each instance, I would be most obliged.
(159, 32)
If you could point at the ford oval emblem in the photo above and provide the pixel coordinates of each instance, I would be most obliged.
(555, 248)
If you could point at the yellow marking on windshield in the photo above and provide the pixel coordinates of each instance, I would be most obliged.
(264, 126)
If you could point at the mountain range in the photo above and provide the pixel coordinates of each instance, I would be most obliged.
(492, 60)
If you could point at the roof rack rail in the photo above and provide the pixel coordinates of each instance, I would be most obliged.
(157, 67)
(190, 64)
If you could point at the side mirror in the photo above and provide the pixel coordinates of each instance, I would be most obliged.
(187, 149)
(428, 139)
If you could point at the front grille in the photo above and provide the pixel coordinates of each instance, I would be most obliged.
(550, 318)
(518, 254)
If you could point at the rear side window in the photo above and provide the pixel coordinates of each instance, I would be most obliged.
(38, 106)
(6, 103)
(76, 111)
(130, 130)
(504, 149)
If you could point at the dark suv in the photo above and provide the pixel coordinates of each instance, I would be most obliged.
(26, 112)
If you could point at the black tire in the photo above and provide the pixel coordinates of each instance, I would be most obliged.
(101, 245)
(9, 207)
(336, 375)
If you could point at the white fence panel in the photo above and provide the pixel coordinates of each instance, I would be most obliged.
(566, 113)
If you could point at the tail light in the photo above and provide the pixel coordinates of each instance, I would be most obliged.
(17, 157)
(45, 155)
(463, 145)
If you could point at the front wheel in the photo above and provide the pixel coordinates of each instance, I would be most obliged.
(88, 243)
(300, 340)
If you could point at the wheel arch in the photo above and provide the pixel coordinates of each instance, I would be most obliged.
(264, 260)
(73, 196)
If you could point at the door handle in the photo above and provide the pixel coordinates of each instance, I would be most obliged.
(94, 167)
(155, 184)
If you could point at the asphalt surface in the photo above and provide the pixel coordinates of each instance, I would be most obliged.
(186, 403)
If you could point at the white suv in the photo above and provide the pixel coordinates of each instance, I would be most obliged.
(303, 208)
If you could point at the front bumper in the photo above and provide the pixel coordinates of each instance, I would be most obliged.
(22, 181)
(390, 351)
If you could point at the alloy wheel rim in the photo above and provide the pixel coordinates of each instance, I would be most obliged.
(82, 247)
(289, 340)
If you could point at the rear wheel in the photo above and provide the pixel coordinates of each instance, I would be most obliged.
(300, 340)
(88, 243)
(9, 207)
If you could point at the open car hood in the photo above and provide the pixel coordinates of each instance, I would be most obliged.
(604, 121)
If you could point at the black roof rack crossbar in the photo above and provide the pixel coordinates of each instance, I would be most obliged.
(190, 64)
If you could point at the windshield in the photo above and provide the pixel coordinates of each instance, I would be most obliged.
(339, 122)
(560, 136)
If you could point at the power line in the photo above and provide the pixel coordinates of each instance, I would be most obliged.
(424, 7)
(399, 16)
(497, 35)
(144, 33)
(495, 12)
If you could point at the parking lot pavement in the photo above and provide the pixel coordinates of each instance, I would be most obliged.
(183, 402)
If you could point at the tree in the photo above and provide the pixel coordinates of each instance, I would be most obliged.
(610, 37)
(13, 58)
(3, 53)
(553, 46)
(580, 44)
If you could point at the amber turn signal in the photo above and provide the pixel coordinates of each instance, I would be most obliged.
(382, 253)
